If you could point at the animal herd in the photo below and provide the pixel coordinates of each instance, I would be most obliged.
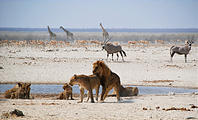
(102, 76)
(111, 48)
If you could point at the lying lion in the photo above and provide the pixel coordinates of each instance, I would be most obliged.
(86, 82)
(128, 91)
(66, 93)
(19, 91)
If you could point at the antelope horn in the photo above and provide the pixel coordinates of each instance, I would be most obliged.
(108, 40)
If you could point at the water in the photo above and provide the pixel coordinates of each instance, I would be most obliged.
(55, 89)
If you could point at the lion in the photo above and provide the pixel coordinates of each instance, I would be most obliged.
(19, 91)
(9, 92)
(108, 79)
(66, 93)
(88, 82)
(128, 91)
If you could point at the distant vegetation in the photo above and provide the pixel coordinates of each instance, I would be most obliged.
(123, 37)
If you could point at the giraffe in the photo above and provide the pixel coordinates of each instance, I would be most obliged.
(69, 34)
(105, 33)
(51, 34)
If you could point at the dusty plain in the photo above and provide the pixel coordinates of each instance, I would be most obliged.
(147, 65)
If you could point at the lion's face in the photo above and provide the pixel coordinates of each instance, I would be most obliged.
(23, 90)
(66, 86)
(97, 68)
(73, 80)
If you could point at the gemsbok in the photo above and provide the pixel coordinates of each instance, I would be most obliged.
(110, 48)
(182, 50)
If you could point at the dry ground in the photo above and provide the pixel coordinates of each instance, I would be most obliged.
(57, 65)
(138, 107)
(148, 65)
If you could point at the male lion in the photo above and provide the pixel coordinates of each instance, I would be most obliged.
(66, 93)
(108, 79)
(19, 91)
(86, 82)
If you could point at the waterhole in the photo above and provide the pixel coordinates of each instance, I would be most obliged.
(55, 89)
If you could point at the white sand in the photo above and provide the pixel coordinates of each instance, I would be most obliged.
(151, 63)
(142, 64)
(130, 108)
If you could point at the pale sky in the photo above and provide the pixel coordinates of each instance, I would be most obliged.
(89, 13)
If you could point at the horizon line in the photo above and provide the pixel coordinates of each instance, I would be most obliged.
(99, 28)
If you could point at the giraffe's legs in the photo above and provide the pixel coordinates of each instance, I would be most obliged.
(104, 38)
(72, 37)
(67, 36)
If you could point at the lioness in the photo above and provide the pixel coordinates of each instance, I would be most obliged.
(128, 91)
(86, 82)
(21, 90)
(108, 79)
(66, 93)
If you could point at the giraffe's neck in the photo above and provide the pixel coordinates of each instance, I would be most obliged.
(49, 30)
(65, 30)
(102, 28)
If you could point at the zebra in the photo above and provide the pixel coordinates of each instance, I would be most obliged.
(110, 48)
(182, 50)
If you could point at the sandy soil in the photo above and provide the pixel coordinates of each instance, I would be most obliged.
(142, 65)
(139, 108)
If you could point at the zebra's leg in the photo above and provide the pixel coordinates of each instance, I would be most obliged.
(121, 55)
(117, 56)
(172, 54)
(185, 58)
(112, 56)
